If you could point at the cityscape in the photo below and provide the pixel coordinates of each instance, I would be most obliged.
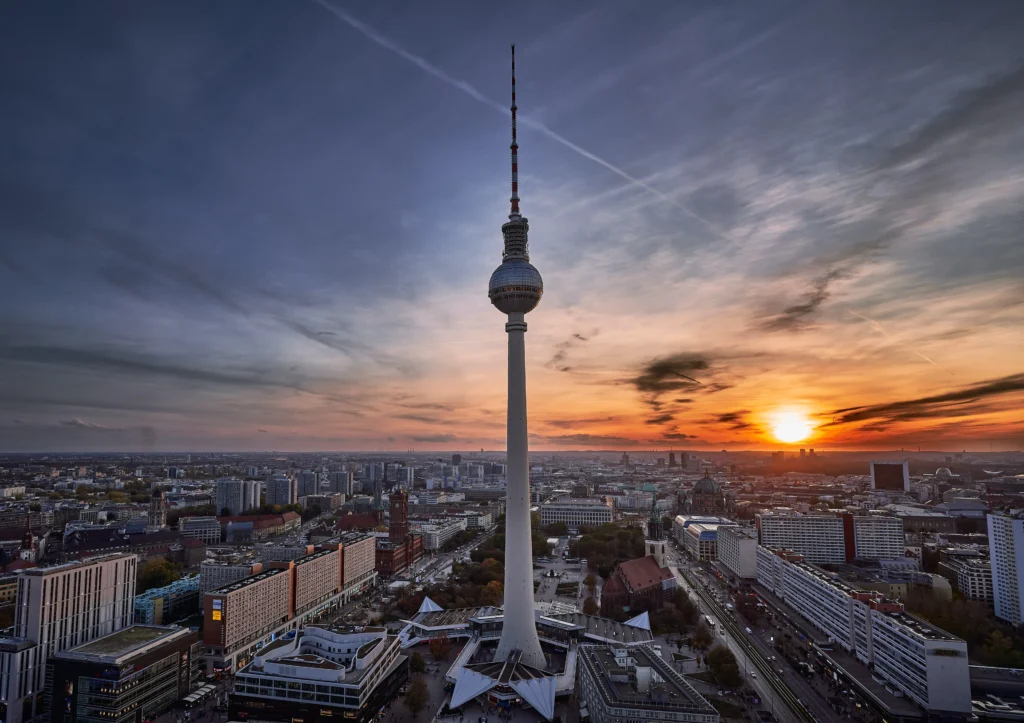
(750, 448)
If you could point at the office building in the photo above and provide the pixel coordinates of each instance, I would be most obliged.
(575, 512)
(206, 529)
(58, 608)
(282, 490)
(237, 496)
(1006, 551)
(890, 476)
(971, 574)
(924, 663)
(700, 540)
(618, 683)
(135, 674)
(456, 460)
(218, 573)
(437, 534)
(737, 550)
(169, 604)
(322, 674)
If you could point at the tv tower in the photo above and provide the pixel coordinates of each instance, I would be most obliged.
(515, 289)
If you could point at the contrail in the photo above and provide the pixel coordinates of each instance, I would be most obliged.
(475, 94)
(878, 327)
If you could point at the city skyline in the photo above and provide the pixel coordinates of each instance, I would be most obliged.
(266, 227)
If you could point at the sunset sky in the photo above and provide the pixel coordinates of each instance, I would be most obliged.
(251, 225)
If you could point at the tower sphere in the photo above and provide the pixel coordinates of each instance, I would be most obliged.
(515, 287)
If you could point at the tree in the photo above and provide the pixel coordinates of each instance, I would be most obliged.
(34, 507)
(225, 512)
(310, 512)
(439, 647)
(590, 606)
(156, 572)
(417, 696)
(702, 636)
(493, 592)
(417, 664)
(590, 582)
(82, 491)
(557, 529)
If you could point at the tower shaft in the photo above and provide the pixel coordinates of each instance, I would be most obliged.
(519, 630)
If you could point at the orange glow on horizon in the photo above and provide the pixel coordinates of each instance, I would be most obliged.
(791, 426)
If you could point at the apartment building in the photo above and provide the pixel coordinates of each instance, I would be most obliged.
(58, 608)
(240, 615)
(878, 537)
(359, 557)
(282, 490)
(924, 663)
(969, 571)
(317, 578)
(1006, 552)
(323, 673)
(246, 614)
(218, 573)
(819, 538)
(206, 529)
(575, 512)
(237, 496)
(737, 550)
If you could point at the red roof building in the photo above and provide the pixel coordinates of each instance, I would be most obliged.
(633, 581)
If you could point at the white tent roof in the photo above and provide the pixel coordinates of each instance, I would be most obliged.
(642, 621)
(469, 685)
(429, 606)
(538, 692)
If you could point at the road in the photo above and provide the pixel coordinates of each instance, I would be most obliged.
(788, 695)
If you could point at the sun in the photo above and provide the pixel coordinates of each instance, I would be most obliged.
(790, 427)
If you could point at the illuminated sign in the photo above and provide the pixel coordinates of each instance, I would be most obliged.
(218, 604)
(216, 614)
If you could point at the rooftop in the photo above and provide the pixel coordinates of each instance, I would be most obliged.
(591, 501)
(126, 641)
(245, 582)
(667, 689)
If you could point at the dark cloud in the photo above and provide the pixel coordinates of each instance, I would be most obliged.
(796, 317)
(262, 431)
(82, 424)
(562, 348)
(924, 407)
(435, 406)
(591, 440)
(733, 420)
(678, 435)
(573, 423)
(420, 418)
(684, 400)
(662, 419)
(670, 373)
(434, 438)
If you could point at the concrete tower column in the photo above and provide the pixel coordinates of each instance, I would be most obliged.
(519, 631)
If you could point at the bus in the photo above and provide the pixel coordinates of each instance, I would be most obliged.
(710, 621)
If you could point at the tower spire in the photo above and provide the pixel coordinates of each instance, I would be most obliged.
(514, 214)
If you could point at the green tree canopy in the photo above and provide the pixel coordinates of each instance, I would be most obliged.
(156, 572)
(417, 697)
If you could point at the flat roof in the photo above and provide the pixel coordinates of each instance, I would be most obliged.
(126, 640)
(670, 692)
(246, 581)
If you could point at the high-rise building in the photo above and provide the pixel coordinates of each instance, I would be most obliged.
(157, 511)
(515, 289)
(671, 459)
(892, 476)
(341, 483)
(308, 483)
(456, 460)
(1006, 551)
(281, 490)
(58, 608)
(237, 496)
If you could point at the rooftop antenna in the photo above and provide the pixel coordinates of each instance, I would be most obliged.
(514, 214)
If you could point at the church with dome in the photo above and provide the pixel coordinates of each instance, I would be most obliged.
(705, 498)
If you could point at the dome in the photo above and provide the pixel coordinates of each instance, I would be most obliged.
(515, 287)
(706, 486)
(943, 472)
